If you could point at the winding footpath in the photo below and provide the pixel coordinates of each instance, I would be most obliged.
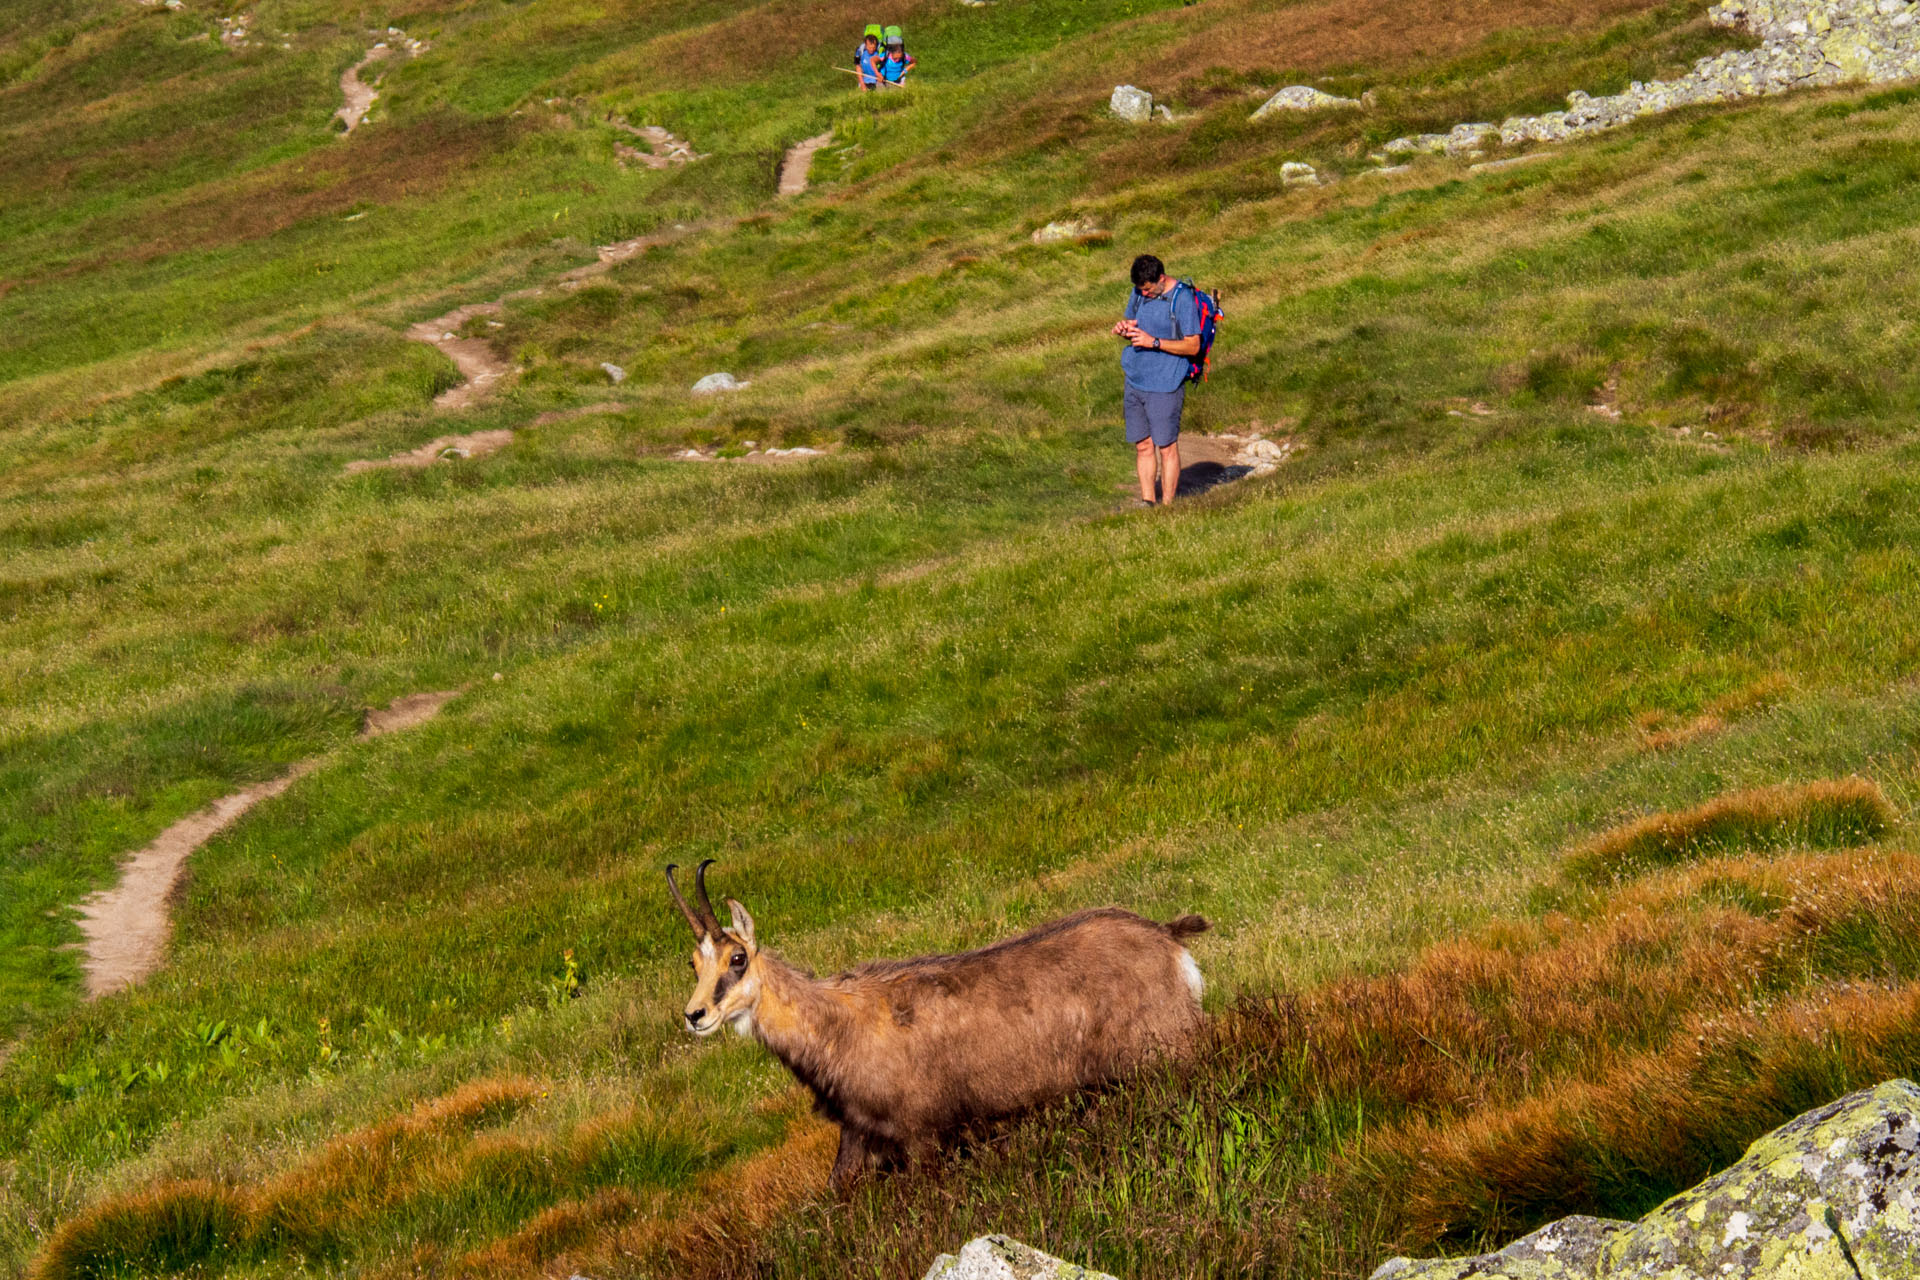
(799, 162)
(126, 928)
(358, 93)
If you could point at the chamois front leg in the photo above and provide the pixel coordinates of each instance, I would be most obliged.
(850, 1163)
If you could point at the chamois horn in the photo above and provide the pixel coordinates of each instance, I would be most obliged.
(702, 928)
(700, 892)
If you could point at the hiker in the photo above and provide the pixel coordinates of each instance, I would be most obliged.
(894, 68)
(1162, 333)
(868, 58)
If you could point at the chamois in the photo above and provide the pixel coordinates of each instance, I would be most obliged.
(904, 1054)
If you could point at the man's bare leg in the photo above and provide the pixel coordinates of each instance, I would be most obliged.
(1169, 472)
(1143, 464)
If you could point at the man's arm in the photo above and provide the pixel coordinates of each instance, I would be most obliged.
(1172, 346)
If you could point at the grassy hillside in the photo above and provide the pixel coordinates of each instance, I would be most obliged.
(1386, 716)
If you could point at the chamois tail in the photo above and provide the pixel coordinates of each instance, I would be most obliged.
(1182, 927)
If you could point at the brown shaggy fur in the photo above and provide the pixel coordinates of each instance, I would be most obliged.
(905, 1054)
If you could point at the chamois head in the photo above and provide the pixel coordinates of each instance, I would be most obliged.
(725, 981)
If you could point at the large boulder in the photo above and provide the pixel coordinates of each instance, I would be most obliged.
(1300, 97)
(1832, 1195)
(1131, 104)
(998, 1257)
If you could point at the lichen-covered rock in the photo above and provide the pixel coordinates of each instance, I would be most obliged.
(1805, 44)
(1418, 144)
(998, 1257)
(1832, 1195)
(1301, 97)
(1298, 173)
(714, 383)
(1131, 104)
(1570, 1249)
(1065, 230)
(1841, 1180)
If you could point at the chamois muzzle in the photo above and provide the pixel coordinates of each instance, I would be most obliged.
(703, 922)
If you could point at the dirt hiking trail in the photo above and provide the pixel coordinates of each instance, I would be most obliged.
(358, 93)
(126, 928)
(799, 162)
(480, 369)
(477, 444)
(663, 149)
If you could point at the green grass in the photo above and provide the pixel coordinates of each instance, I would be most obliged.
(927, 690)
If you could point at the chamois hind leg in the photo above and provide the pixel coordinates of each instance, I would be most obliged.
(850, 1163)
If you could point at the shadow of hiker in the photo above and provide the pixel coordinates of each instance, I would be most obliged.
(1198, 477)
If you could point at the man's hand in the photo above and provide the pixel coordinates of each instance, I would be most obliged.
(1140, 338)
(1125, 329)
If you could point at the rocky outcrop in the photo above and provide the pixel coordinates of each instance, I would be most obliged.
(1000, 1258)
(1832, 1195)
(1805, 44)
(1300, 97)
(1134, 105)
(714, 383)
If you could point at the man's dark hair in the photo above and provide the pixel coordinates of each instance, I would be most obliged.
(1147, 269)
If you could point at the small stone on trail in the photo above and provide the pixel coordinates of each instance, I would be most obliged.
(614, 373)
(1131, 104)
(718, 382)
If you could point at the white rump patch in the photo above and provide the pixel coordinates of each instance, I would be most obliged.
(1191, 972)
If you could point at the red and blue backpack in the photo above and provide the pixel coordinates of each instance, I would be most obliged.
(1210, 313)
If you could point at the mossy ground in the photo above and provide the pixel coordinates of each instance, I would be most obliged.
(936, 686)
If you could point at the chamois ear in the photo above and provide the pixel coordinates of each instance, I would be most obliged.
(742, 923)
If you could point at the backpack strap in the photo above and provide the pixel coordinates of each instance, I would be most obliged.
(1173, 306)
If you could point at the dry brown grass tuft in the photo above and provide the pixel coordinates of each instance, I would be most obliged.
(1660, 731)
(305, 1210)
(1663, 730)
(1828, 814)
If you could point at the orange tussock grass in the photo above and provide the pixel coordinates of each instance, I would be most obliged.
(553, 1231)
(695, 1232)
(307, 1208)
(1663, 730)
(1614, 1061)
(1826, 814)
(1658, 732)
(1654, 1123)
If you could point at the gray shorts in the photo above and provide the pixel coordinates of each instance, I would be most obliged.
(1153, 413)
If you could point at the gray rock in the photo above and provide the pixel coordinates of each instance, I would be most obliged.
(1300, 97)
(1131, 104)
(1298, 173)
(997, 1257)
(1833, 1194)
(716, 382)
(615, 374)
(1064, 230)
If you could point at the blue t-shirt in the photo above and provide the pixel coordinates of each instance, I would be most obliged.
(1175, 314)
(896, 71)
(869, 63)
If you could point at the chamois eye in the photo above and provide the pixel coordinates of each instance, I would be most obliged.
(739, 961)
